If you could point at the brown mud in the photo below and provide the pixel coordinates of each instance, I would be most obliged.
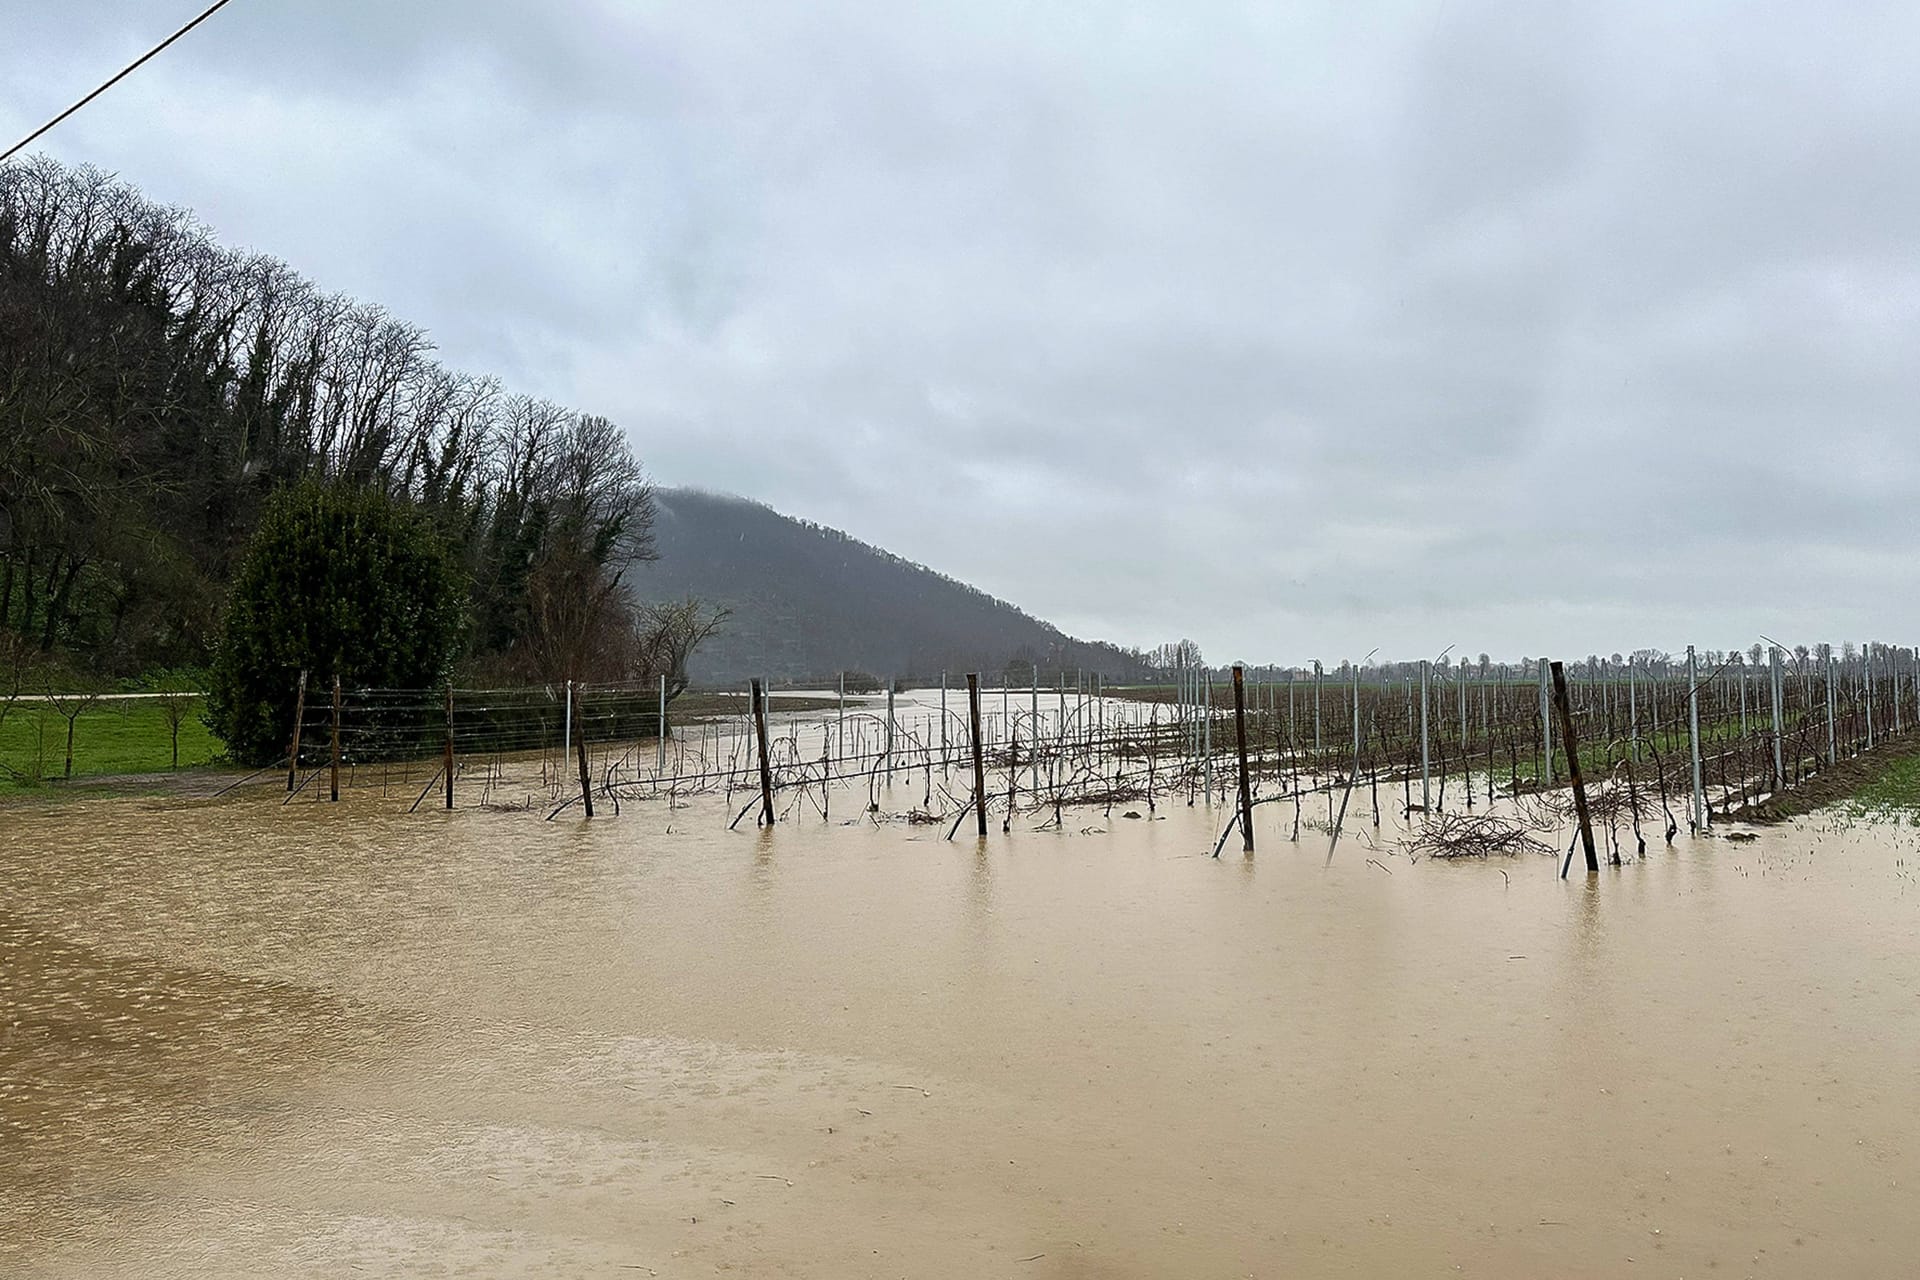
(242, 1039)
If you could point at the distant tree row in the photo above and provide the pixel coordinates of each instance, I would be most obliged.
(1176, 656)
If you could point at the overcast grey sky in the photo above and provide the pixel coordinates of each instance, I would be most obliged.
(1299, 329)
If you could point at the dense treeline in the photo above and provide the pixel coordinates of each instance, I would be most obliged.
(156, 389)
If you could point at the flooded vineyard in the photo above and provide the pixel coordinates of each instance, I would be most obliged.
(251, 1038)
(1668, 744)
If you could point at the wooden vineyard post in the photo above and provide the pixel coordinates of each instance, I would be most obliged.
(1206, 732)
(580, 752)
(334, 786)
(1355, 668)
(1033, 732)
(1013, 778)
(979, 767)
(1777, 689)
(660, 757)
(299, 713)
(1316, 708)
(1833, 741)
(1546, 730)
(1460, 686)
(1426, 749)
(1866, 676)
(446, 763)
(1240, 737)
(766, 765)
(1893, 678)
(1633, 713)
(1571, 743)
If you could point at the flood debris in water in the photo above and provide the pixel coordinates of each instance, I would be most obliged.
(1460, 835)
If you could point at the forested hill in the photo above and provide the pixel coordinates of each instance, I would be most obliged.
(808, 601)
(161, 395)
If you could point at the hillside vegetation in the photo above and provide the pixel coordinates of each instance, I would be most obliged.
(157, 390)
(160, 392)
(807, 601)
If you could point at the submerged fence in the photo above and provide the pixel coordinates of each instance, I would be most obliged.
(1679, 744)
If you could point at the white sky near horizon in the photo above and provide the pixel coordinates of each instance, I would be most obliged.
(1300, 330)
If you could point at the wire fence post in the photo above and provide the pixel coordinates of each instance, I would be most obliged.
(660, 757)
(299, 714)
(447, 762)
(580, 752)
(334, 756)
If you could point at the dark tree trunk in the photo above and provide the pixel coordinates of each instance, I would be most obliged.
(57, 604)
(26, 602)
(122, 602)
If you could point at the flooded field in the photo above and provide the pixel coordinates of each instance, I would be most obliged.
(238, 1039)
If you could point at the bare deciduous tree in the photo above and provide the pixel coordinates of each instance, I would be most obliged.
(16, 665)
(666, 635)
(1175, 655)
(176, 693)
(70, 695)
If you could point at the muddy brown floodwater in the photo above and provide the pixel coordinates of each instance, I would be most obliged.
(238, 1039)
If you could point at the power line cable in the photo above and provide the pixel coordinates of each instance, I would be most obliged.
(128, 70)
